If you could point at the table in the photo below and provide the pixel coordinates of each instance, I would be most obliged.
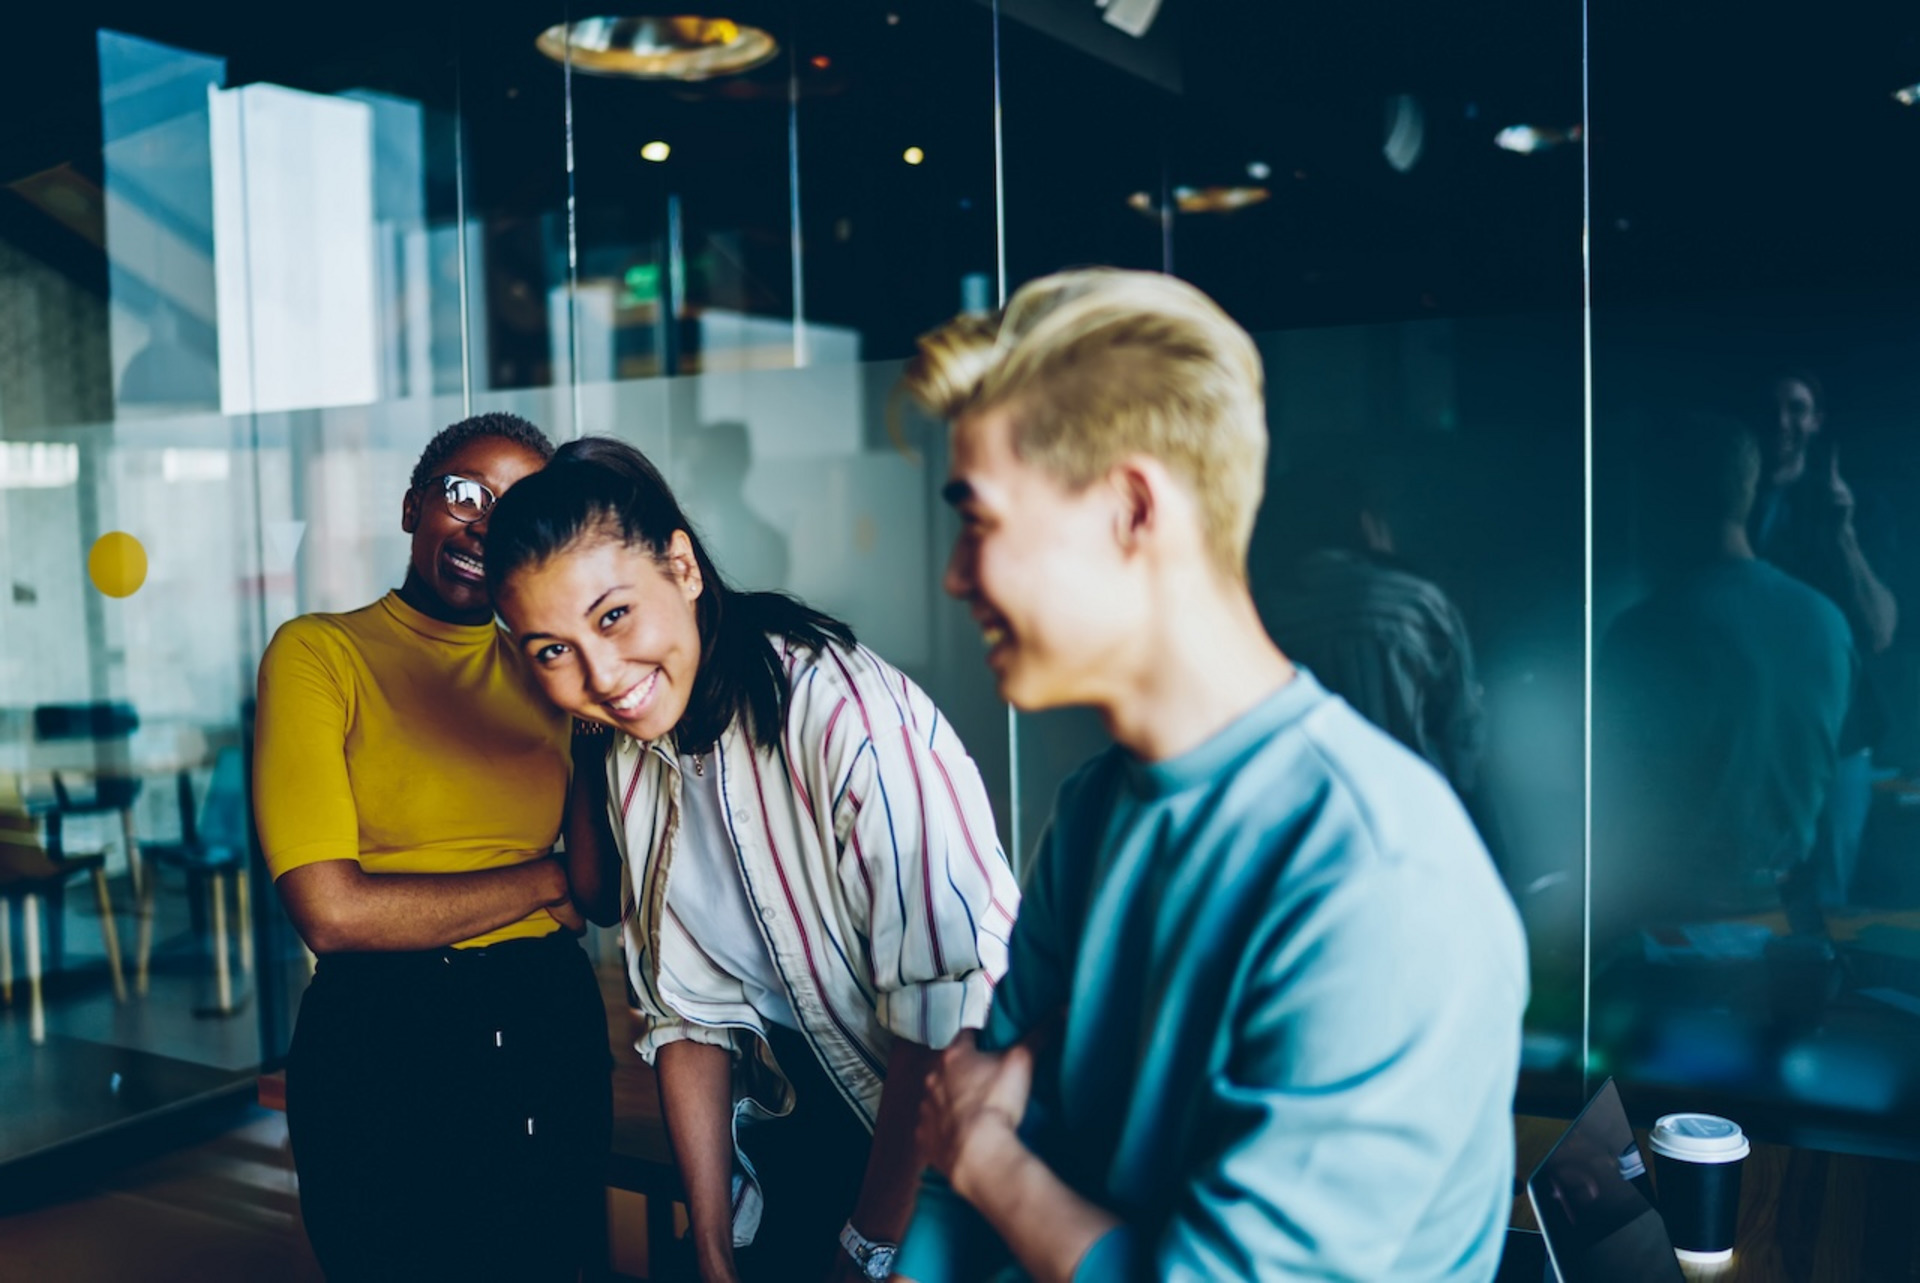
(1806, 1216)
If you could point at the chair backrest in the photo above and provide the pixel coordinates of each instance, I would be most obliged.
(100, 721)
(222, 817)
(22, 852)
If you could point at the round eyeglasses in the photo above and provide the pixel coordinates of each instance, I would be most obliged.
(467, 500)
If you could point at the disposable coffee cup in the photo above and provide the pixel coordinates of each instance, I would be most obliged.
(1696, 1168)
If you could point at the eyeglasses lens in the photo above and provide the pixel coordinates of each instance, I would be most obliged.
(467, 500)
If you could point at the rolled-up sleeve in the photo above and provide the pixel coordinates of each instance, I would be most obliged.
(920, 857)
(661, 1032)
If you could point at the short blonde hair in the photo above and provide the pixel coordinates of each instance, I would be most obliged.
(1096, 364)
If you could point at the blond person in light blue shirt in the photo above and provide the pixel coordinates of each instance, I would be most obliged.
(1261, 1018)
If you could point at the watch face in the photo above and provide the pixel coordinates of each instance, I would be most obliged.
(880, 1264)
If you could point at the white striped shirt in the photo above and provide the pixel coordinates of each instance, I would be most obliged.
(869, 854)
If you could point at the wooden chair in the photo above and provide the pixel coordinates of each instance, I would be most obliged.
(213, 847)
(102, 723)
(34, 868)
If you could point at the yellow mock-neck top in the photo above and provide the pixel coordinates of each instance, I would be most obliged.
(409, 744)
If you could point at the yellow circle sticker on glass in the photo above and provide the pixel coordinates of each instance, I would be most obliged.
(118, 564)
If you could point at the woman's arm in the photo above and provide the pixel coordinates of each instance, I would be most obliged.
(895, 1161)
(593, 856)
(696, 1095)
(936, 914)
(308, 822)
(339, 908)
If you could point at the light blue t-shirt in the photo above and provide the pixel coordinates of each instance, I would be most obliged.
(1280, 990)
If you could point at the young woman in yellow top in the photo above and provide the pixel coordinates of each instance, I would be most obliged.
(448, 1089)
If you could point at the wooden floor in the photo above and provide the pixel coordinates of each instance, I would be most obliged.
(227, 1211)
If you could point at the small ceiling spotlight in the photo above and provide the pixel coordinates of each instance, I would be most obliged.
(1527, 139)
(655, 151)
(913, 155)
(1259, 170)
(1201, 200)
(1908, 97)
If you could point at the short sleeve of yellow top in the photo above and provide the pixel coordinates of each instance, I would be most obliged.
(408, 744)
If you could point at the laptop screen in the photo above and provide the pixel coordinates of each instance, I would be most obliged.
(1594, 1202)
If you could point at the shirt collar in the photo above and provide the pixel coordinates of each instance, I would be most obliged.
(1230, 745)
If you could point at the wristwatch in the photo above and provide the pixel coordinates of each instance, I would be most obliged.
(874, 1259)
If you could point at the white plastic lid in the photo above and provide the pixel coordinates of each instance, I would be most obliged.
(1699, 1138)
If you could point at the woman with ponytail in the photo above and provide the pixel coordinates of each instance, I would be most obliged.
(815, 898)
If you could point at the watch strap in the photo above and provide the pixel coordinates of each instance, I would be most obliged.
(874, 1259)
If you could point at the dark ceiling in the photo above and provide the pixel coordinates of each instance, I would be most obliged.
(1733, 148)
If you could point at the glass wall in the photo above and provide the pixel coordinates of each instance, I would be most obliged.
(1756, 707)
(1331, 177)
(243, 279)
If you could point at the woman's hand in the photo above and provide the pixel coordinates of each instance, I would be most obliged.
(569, 917)
(593, 853)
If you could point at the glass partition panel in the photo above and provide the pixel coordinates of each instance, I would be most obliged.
(684, 211)
(802, 214)
(896, 167)
(1342, 184)
(230, 287)
(1755, 710)
(516, 239)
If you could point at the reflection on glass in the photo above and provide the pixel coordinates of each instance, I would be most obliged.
(1386, 640)
(1720, 699)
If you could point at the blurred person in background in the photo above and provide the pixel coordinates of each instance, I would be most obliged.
(1808, 520)
(1389, 642)
(1719, 703)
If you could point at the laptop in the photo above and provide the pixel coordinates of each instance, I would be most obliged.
(1594, 1203)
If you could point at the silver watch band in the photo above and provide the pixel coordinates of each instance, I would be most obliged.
(874, 1259)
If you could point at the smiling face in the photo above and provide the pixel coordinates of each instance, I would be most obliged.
(610, 631)
(1797, 420)
(446, 573)
(1042, 569)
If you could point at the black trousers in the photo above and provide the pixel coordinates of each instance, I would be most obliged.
(450, 1113)
(810, 1165)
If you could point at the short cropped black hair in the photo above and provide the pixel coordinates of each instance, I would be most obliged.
(448, 441)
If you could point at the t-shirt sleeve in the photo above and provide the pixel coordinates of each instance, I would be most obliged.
(948, 1242)
(302, 795)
